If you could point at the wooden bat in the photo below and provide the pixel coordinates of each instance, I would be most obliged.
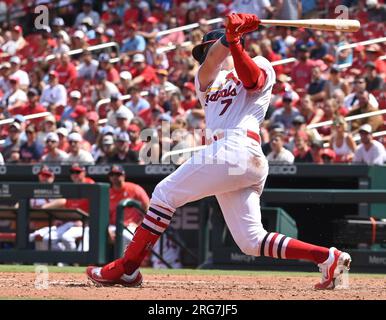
(343, 25)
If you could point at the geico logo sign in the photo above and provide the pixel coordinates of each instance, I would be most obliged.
(283, 170)
(160, 169)
(98, 170)
(55, 169)
(3, 170)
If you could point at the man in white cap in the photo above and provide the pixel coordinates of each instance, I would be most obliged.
(124, 117)
(370, 151)
(19, 73)
(115, 107)
(73, 102)
(76, 154)
(54, 154)
(376, 11)
(144, 75)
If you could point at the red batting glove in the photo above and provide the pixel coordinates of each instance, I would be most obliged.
(239, 23)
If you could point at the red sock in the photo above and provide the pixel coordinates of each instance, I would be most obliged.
(139, 247)
(276, 245)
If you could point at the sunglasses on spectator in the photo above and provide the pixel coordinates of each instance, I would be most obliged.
(50, 141)
(75, 172)
(115, 174)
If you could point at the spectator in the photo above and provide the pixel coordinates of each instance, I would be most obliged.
(373, 54)
(123, 154)
(104, 64)
(143, 75)
(163, 82)
(137, 103)
(302, 151)
(189, 92)
(316, 151)
(15, 97)
(75, 97)
(66, 71)
(310, 111)
(91, 135)
(54, 154)
(351, 101)
(279, 154)
(316, 86)
(370, 151)
(374, 82)
(87, 12)
(287, 113)
(31, 151)
(321, 48)
(54, 94)
(14, 141)
(31, 107)
(76, 154)
(328, 156)
(5, 71)
(58, 29)
(134, 43)
(342, 141)
(115, 107)
(302, 71)
(335, 82)
(49, 125)
(63, 142)
(79, 116)
(288, 10)
(106, 151)
(136, 143)
(175, 38)
(261, 8)
(119, 191)
(104, 89)
(364, 106)
(88, 67)
(376, 11)
(18, 73)
(123, 118)
(176, 110)
(124, 82)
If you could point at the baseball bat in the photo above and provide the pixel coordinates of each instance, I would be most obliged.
(343, 25)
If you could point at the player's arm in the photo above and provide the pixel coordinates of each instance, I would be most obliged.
(252, 77)
(212, 64)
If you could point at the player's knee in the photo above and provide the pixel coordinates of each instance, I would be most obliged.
(162, 197)
(251, 245)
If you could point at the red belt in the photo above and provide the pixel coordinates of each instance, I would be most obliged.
(250, 134)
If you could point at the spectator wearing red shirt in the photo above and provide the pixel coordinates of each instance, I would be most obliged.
(119, 191)
(136, 143)
(310, 111)
(373, 52)
(190, 101)
(302, 71)
(66, 70)
(176, 109)
(143, 74)
(104, 64)
(302, 151)
(270, 55)
(31, 107)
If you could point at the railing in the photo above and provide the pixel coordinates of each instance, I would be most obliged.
(92, 48)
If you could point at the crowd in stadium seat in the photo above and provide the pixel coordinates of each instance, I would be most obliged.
(39, 73)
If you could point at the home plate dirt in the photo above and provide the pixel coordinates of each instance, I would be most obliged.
(193, 287)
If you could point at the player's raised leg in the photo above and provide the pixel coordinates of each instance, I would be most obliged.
(242, 214)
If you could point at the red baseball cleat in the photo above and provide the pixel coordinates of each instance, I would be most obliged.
(332, 269)
(95, 275)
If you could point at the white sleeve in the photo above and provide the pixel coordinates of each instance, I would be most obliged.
(379, 155)
(61, 98)
(200, 94)
(265, 65)
(44, 97)
(1, 159)
(358, 156)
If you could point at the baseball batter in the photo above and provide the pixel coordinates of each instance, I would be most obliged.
(235, 91)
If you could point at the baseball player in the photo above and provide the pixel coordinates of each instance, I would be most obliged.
(235, 91)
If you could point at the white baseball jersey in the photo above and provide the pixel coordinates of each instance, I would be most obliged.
(228, 105)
